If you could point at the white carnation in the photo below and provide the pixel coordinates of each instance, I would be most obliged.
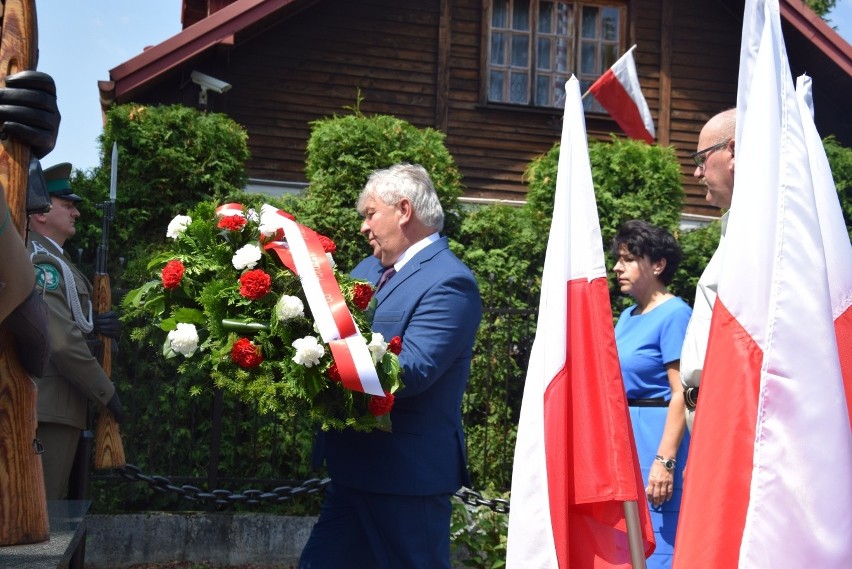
(378, 347)
(246, 257)
(177, 226)
(308, 351)
(229, 211)
(184, 340)
(289, 307)
(270, 220)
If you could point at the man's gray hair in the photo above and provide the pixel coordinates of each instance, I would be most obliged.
(408, 181)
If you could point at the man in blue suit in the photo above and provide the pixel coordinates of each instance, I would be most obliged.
(388, 504)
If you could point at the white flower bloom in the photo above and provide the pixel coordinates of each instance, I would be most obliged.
(270, 220)
(308, 351)
(246, 257)
(289, 307)
(378, 347)
(229, 211)
(184, 340)
(252, 215)
(177, 226)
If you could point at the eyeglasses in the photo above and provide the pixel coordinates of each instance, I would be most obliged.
(700, 157)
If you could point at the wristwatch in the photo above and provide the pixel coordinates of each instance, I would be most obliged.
(669, 463)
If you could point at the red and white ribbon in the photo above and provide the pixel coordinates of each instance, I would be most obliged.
(229, 209)
(303, 254)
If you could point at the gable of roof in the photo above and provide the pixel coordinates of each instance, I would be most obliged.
(220, 28)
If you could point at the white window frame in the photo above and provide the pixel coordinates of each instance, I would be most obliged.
(530, 55)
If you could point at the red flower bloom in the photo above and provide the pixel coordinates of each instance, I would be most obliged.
(172, 274)
(232, 222)
(395, 345)
(379, 406)
(334, 373)
(245, 354)
(255, 284)
(327, 244)
(361, 295)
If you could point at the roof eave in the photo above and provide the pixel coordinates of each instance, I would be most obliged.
(218, 28)
(814, 28)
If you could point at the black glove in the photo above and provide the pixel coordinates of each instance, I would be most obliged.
(107, 324)
(38, 198)
(114, 407)
(28, 110)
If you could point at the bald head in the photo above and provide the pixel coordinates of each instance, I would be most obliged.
(722, 127)
(716, 148)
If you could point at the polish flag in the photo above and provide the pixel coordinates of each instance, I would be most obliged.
(575, 460)
(770, 463)
(619, 92)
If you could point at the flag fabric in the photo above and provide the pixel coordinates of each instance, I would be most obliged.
(575, 460)
(619, 92)
(838, 253)
(770, 461)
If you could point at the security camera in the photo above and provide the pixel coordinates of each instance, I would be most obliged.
(208, 83)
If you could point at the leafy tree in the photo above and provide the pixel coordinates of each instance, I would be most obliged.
(821, 7)
(342, 152)
(840, 160)
(170, 158)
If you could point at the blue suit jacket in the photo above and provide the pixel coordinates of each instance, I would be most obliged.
(433, 303)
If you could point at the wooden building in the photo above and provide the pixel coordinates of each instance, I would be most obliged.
(488, 73)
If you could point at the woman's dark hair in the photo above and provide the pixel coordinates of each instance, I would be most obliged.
(643, 239)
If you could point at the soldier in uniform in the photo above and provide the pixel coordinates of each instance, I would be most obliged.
(73, 375)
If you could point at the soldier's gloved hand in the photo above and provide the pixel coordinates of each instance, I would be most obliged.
(107, 324)
(114, 408)
(28, 110)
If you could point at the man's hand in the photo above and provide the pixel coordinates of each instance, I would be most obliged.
(28, 110)
(107, 324)
(114, 408)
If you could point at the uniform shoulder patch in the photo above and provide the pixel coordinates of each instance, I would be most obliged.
(47, 276)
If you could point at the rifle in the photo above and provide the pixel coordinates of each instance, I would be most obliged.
(109, 450)
(23, 504)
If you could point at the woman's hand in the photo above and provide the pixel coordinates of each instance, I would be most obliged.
(660, 484)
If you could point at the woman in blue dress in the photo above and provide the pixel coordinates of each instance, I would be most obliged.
(649, 336)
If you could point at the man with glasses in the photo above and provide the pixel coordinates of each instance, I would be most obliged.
(714, 168)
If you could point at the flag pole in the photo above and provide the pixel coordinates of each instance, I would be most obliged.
(634, 534)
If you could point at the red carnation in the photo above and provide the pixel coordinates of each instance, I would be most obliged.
(361, 295)
(255, 284)
(327, 244)
(334, 373)
(379, 406)
(172, 274)
(395, 345)
(232, 222)
(245, 354)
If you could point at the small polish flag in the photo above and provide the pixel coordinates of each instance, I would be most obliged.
(619, 92)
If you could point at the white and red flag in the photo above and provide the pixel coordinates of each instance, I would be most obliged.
(619, 92)
(770, 461)
(575, 459)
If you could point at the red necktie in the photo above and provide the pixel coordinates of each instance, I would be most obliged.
(386, 276)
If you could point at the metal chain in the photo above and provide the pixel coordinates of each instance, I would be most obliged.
(274, 496)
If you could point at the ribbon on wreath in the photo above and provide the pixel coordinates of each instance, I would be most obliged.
(302, 253)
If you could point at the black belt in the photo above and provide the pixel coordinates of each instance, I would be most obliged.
(652, 402)
(690, 397)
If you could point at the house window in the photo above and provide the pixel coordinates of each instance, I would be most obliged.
(535, 46)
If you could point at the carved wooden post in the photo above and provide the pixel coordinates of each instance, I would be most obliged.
(23, 506)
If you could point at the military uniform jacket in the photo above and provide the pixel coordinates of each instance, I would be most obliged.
(72, 375)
